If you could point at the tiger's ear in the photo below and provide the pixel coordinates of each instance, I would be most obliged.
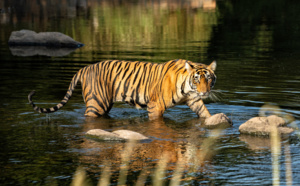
(212, 66)
(188, 67)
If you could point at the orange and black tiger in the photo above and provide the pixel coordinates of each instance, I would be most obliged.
(145, 85)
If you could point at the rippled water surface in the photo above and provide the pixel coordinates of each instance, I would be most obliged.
(256, 46)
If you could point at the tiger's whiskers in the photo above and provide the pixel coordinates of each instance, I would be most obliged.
(215, 95)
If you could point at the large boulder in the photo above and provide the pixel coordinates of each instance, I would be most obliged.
(31, 38)
(118, 135)
(263, 126)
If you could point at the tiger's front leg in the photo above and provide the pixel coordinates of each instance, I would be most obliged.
(199, 108)
(216, 120)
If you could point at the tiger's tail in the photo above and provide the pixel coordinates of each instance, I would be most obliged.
(62, 103)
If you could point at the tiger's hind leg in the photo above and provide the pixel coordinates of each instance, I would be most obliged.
(155, 110)
(96, 107)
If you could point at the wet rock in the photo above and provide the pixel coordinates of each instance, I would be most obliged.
(118, 135)
(275, 120)
(31, 38)
(104, 135)
(130, 135)
(218, 120)
(264, 125)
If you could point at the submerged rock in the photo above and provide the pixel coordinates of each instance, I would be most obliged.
(218, 120)
(118, 135)
(264, 126)
(31, 38)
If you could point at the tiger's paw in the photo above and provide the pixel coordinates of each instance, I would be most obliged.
(218, 120)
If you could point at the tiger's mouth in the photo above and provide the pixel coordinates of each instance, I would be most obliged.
(203, 95)
(199, 95)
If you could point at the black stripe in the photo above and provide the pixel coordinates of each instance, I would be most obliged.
(148, 70)
(173, 100)
(138, 87)
(182, 87)
(126, 69)
(85, 81)
(118, 69)
(152, 69)
(94, 112)
(179, 70)
(110, 71)
(88, 94)
(63, 103)
(102, 94)
(106, 69)
(99, 103)
(68, 96)
(193, 102)
(92, 107)
(117, 89)
(137, 73)
(126, 83)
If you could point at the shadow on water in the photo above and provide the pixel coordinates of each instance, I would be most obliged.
(26, 51)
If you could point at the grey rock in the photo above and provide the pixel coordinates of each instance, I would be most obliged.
(31, 38)
(263, 126)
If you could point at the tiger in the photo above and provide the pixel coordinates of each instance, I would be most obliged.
(154, 86)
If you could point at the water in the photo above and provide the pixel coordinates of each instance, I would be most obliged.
(256, 46)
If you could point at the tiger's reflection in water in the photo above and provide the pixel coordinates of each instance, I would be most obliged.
(169, 140)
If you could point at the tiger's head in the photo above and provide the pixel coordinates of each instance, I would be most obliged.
(202, 78)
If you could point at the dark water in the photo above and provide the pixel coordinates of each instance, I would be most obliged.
(257, 49)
